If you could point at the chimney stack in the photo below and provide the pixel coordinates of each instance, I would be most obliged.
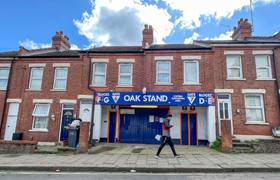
(243, 30)
(60, 42)
(148, 36)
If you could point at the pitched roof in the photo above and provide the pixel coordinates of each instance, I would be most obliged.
(113, 49)
(9, 54)
(255, 41)
(66, 53)
(175, 46)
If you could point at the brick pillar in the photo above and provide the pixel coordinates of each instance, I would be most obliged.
(226, 136)
(83, 139)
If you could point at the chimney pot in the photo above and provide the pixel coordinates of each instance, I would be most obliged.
(57, 33)
(65, 37)
(150, 27)
(146, 26)
(234, 28)
(68, 39)
(246, 21)
(61, 33)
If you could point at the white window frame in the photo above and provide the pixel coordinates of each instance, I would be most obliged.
(197, 73)
(38, 115)
(99, 74)
(269, 67)
(254, 107)
(125, 74)
(163, 72)
(35, 78)
(235, 67)
(60, 78)
(5, 78)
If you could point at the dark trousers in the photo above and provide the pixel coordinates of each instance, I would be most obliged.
(170, 143)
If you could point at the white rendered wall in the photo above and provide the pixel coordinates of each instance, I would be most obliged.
(97, 122)
(211, 121)
(105, 120)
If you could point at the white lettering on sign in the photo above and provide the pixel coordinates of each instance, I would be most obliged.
(201, 101)
(205, 95)
(103, 94)
(132, 98)
(178, 98)
(152, 98)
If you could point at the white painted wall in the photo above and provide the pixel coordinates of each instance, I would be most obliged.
(211, 121)
(97, 122)
(176, 120)
(105, 117)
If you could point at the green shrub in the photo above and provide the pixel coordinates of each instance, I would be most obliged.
(217, 145)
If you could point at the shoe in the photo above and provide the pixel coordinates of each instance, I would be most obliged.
(158, 157)
(177, 156)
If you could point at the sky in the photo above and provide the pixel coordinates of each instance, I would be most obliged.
(90, 23)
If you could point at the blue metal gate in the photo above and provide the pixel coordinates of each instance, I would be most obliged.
(189, 129)
(66, 119)
(136, 128)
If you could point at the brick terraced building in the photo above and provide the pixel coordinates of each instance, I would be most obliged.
(132, 88)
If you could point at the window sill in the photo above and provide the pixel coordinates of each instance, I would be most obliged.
(33, 89)
(3, 89)
(191, 84)
(58, 90)
(38, 130)
(265, 79)
(257, 123)
(164, 84)
(96, 85)
(124, 86)
(235, 79)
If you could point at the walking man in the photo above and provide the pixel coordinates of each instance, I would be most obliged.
(166, 137)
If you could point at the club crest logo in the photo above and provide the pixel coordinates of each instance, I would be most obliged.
(116, 97)
(191, 97)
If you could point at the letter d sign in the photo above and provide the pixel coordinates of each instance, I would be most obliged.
(201, 101)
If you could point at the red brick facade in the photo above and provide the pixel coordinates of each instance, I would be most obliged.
(212, 75)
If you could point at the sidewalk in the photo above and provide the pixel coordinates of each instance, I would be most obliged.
(194, 159)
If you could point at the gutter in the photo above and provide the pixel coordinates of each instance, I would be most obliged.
(6, 96)
(93, 100)
(277, 82)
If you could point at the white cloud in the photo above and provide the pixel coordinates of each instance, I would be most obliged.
(29, 44)
(74, 47)
(120, 22)
(190, 40)
(194, 11)
(226, 36)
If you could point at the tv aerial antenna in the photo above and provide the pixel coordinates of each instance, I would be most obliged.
(251, 7)
(226, 26)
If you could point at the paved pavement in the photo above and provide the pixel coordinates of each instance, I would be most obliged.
(124, 157)
(135, 176)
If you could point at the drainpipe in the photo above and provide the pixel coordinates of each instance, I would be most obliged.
(93, 100)
(277, 82)
(6, 96)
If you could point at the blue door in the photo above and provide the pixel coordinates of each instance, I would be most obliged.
(66, 119)
(189, 129)
(136, 128)
(193, 129)
(112, 127)
(185, 129)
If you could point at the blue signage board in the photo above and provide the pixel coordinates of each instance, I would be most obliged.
(156, 98)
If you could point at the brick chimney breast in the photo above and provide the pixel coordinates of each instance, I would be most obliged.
(243, 30)
(59, 42)
(148, 36)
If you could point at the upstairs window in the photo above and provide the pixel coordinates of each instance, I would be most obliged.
(125, 74)
(99, 74)
(263, 67)
(191, 74)
(234, 67)
(4, 75)
(36, 78)
(60, 78)
(163, 72)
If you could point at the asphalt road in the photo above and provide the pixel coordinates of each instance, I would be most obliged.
(11, 175)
